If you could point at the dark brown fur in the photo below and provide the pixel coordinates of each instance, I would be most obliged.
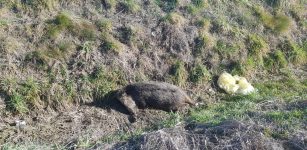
(156, 95)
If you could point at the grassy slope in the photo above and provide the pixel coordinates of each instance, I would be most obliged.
(66, 57)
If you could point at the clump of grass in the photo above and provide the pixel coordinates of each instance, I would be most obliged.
(110, 44)
(110, 4)
(167, 5)
(204, 24)
(60, 23)
(196, 6)
(104, 25)
(38, 58)
(296, 54)
(257, 47)
(276, 60)
(199, 74)
(130, 6)
(225, 48)
(174, 119)
(179, 73)
(174, 18)
(40, 4)
(3, 23)
(278, 23)
(105, 81)
(41, 58)
(22, 96)
(127, 35)
(86, 31)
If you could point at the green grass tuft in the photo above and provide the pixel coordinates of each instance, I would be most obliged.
(131, 6)
(179, 73)
(110, 44)
(295, 53)
(167, 5)
(61, 22)
(279, 23)
(199, 74)
(104, 25)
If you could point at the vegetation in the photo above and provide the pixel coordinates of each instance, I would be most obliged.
(60, 23)
(56, 55)
(278, 23)
(130, 6)
(167, 5)
(179, 74)
(199, 74)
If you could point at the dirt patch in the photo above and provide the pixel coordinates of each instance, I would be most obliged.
(73, 124)
(229, 134)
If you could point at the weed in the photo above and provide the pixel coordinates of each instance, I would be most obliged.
(192, 9)
(199, 74)
(167, 5)
(179, 73)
